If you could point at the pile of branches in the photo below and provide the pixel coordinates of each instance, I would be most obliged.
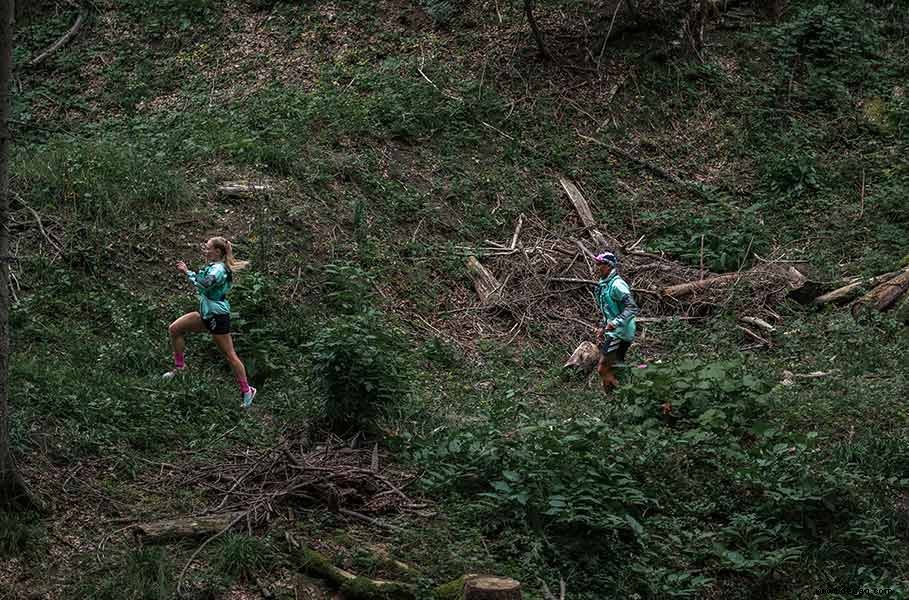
(256, 486)
(545, 278)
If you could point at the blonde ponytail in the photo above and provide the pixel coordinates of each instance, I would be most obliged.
(227, 252)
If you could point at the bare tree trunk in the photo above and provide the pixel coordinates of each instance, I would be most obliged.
(528, 10)
(13, 491)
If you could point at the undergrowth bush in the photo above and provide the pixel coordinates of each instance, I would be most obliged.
(730, 235)
(664, 505)
(830, 49)
(357, 356)
(356, 360)
(443, 11)
(716, 396)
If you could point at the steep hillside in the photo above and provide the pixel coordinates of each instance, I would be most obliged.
(395, 139)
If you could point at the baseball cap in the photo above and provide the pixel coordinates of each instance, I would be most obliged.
(606, 258)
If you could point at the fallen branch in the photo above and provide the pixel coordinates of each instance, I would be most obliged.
(885, 294)
(491, 588)
(789, 377)
(517, 232)
(243, 189)
(759, 323)
(583, 210)
(573, 280)
(849, 291)
(370, 520)
(684, 289)
(37, 216)
(647, 165)
(548, 595)
(59, 43)
(754, 336)
(352, 586)
(171, 529)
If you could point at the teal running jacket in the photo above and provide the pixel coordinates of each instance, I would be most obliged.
(614, 299)
(212, 282)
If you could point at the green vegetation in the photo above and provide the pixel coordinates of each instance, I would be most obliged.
(392, 136)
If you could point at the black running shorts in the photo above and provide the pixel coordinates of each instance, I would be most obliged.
(217, 324)
(614, 349)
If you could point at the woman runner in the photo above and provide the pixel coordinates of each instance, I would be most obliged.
(212, 283)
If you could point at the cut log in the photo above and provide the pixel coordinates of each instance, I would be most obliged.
(488, 287)
(850, 291)
(683, 289)
(583, 209)
(243, 189)
(492, 588)
(173, 529)
(886, 294)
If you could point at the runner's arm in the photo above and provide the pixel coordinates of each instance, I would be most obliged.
(629, 308)
(214, 277)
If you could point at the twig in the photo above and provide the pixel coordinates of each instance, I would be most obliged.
(573, 280)
(293, 292)
(59, 43)
(370, 520)
(647, 165)
(611, 23)
(40, 224)
(755, 336)
(205, 543)
(497, 130)
(759, 323)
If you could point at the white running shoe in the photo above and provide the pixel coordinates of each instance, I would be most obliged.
(248, 397)
(173, 373)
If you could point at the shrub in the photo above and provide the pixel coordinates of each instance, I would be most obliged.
(711, 396)
(729, 234)
(830, 49)
(357, 363)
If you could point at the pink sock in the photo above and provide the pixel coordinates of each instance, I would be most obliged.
(178, 360)
(244, 386)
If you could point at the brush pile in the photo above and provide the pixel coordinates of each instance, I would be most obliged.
(265, 483)
(544, 278)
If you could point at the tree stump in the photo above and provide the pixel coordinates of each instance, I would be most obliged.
(492, 588)
(488, 287)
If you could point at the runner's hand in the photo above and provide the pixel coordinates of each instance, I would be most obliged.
(181, 266)
(610, 326)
